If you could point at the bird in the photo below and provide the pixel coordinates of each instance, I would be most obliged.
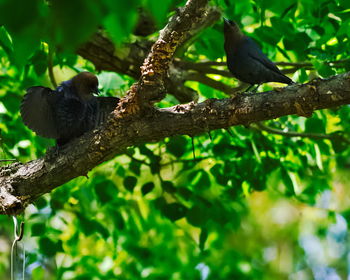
(246, 61)
(68, 111)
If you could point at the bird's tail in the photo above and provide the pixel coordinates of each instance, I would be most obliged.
(285, 80)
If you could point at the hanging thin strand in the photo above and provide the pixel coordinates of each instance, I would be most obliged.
(17, 237)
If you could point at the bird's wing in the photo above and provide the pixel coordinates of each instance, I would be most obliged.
(70, 115)
(105, 106)
(37, 111)
(255, 53)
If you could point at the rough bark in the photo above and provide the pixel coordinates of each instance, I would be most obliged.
(128, 58)
(22, 183)
(135, 105)
(136, 121)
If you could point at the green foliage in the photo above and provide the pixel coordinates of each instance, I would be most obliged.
(234, 211)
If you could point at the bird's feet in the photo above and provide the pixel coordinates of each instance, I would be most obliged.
(252, 89)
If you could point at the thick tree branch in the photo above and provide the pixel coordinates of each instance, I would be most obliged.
(21, 184)
(128, 58)
(150, 87)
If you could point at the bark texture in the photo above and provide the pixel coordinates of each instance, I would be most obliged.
(23, 183)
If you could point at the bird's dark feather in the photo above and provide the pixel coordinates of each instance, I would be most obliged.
(37, 113)
(67, 112)
(246, 61)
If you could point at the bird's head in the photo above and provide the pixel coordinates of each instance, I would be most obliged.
(232, 30)
(86, 85)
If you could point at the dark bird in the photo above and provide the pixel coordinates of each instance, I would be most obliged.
(68, 111)
(246, 61)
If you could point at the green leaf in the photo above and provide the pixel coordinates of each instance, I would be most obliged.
(201, 180)
(168, 186)
(339, 145)
(118, 220)
(23, 47)
(268, 35)
(120, 171)
(105, 189)
(287, 182)
(121, 19)
(110, 81)
(5, 41)
(39, 61)
(38, 273)
(130, 183)
(135, 167)
(174, 211)
(216, 171)
(49, 247)
(185, 193)
(207, 43)
(177, 146)
(159, 10)
(146, 188)
(90, 227)
(74, 21)
(222, 147)
(203, 238)
(325, 70)
(41, 202)
(314, 125)
(197, 216)
(38, 229)
(155, 165)
(145, 151)
(159, 203)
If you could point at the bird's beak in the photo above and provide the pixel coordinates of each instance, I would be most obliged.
(96, 91)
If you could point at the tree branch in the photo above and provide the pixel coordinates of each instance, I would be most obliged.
(21, 184)
(215, 84)
(268, 129)
(5, 160)
(128, 58)
(206, 64)
(150, 87)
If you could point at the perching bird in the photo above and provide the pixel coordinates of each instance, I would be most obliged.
(67, 112)
(246, 61)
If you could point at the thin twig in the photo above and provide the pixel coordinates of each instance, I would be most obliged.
(205, 64)
(197, 159)
(204, 68)
(214, 84)
(193, 148)
(138, 160)
(266, 128)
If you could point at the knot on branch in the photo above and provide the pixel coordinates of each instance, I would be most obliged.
(10, 204)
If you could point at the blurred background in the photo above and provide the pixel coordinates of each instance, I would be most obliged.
(256, 202)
